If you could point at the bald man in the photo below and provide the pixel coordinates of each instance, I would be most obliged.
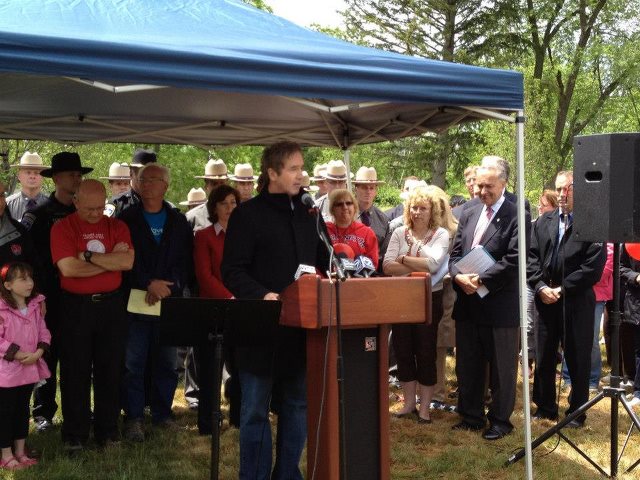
(91, 251)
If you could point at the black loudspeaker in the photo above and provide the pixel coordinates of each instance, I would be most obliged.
(606, 187)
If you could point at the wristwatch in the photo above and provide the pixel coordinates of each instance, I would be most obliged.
(87, 255)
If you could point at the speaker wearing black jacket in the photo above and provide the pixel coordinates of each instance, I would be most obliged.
(562, 272)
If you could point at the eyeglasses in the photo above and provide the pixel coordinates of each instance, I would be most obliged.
(343, 204)
(150, 179)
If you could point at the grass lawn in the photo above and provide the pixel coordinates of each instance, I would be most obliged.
(417, 451)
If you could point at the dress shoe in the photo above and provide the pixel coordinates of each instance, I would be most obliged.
(409, 415)
(463, 425)
(43, 424)
(493, 433)
(544, 416)
(575, 424)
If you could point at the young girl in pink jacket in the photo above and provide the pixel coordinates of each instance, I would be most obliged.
(24, 338)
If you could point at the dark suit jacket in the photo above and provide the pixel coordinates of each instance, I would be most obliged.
(579, 265)
(500, 307)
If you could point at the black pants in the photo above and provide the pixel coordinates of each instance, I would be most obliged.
(415, 346)
(44, 394)
(574, 330)
(93, 337)
(14, 414)
(476, 347)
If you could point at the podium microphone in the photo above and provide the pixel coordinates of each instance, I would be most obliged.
(364, 266)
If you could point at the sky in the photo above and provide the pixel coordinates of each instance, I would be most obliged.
(306, 12)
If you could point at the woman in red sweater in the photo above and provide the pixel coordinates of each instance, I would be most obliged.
(345, 229)
(207, 254)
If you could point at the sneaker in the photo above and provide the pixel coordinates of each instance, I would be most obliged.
(42, 424)
(633, 401)
(134, 431)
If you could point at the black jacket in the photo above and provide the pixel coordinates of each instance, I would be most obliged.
(499, 308)
(629, 271)
(579, 264)
(266, 241)
(170, 260)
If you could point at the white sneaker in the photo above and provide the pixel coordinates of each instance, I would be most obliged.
(633, 401)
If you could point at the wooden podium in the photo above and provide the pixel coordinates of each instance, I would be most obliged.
(368, 306)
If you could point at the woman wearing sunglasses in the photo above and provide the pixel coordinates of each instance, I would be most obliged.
(345, 229)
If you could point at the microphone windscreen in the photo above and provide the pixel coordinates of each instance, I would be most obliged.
(344, 248)
(307, 200)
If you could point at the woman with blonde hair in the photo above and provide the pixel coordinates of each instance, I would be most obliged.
(421, 245)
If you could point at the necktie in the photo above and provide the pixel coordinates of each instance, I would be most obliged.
(365, 218)
(482, 228)
(31, 204)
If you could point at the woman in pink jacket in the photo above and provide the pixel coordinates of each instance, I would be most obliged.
(23, 340)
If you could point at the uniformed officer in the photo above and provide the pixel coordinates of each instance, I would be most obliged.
(215, 173)
(66, 171)
(123, 201)
(30, 196)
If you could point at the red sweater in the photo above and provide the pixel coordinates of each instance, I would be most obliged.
(207, 256)
(358, 236)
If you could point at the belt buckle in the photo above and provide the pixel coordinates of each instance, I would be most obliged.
(96, 297)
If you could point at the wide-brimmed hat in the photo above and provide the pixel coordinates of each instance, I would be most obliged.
(306, 183)
(215, 170)
(336, 170)
(65, 162)
(243, 172)
(318, 172)
(196, 196)
(367, 175)
(410, 185)
(141, 157)
(118, 171)
(29, 160)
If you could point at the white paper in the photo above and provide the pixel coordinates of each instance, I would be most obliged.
(478, 260)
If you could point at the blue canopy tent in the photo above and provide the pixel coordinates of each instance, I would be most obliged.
(220, 72)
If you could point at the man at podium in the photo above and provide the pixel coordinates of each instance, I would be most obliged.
(268, 238)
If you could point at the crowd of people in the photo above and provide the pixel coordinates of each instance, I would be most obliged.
(73, 263)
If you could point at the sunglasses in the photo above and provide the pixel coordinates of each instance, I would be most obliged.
(343, 204)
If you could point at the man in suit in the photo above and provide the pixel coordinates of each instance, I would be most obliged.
(562, 271)
(487, 327)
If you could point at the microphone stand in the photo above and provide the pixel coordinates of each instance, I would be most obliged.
(340, 277)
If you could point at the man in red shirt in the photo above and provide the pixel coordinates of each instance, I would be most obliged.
(91, 251)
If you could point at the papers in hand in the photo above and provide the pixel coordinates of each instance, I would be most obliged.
(478, 260)
(138, 305)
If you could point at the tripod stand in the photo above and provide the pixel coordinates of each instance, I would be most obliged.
(613, 392)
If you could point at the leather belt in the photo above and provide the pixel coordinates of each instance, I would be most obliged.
(96, 297)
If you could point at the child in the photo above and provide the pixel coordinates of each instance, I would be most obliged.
(23, 340)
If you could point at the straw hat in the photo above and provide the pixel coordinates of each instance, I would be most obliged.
(31, 161)
(196, 196)
(318, 172)
(118, 171)
(306, 183)
(410, 186)
(243, 172)
(336, 170)
(368, 176)
(215, 170)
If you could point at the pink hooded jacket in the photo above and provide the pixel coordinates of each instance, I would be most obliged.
(604, 288)
(26, 332)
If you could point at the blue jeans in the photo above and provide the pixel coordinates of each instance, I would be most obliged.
(258, 394)
(144, 338)
(596, 355)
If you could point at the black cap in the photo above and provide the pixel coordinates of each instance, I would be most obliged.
(141, 157)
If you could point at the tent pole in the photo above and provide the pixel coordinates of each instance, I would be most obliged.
(347, 157)
(522, 281)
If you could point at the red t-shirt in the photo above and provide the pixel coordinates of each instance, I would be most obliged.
(71, 235)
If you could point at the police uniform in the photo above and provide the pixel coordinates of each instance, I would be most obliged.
(38, 223)
(123, 201)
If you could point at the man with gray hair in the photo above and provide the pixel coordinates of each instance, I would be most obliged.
(163, 265)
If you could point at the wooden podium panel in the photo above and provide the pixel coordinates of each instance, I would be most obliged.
(368, 306)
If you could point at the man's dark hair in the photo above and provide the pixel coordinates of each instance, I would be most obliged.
(218, 194)
(273, 157)
(457, 200)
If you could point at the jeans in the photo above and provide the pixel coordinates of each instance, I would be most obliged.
(144, 336)
(258, 393)
(596, 355)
